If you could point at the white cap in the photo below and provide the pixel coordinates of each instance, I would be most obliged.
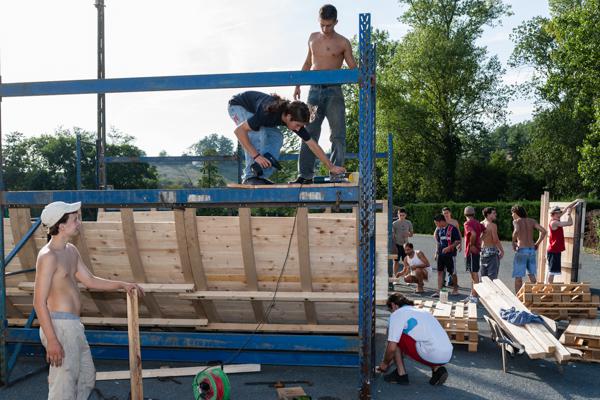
(53, 212)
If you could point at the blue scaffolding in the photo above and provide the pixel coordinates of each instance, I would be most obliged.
(284, 349)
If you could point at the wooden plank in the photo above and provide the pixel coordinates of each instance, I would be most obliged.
(113, 321)
(184, 256)
(195, 255)
(20, 223)
(135, 261)
(304, 261)
(184, 371)
(135, 354)
(541, 251)
(147, 287)
(99, 298)
(11, 309)
(249, 261)
(344, 297)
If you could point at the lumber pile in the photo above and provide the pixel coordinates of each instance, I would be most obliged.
(584, 335)
(536, 339)
(560, 301)
(459, 320)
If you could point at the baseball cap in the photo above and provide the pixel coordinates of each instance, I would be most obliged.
(555, 209)
(53, 212)
(469, 210)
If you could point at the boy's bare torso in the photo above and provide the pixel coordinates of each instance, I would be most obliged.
(64, 292)
(489, 238)
(327, 52)
(525, 232)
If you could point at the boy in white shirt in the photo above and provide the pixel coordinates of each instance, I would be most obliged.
(419, 335)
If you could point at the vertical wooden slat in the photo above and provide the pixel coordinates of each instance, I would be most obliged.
(20, 223)
(195, 256)
(544, 220)
(135, 355)
(304, 262)
(184, 256)
(135, 260)
(99, 298)
(249, 261)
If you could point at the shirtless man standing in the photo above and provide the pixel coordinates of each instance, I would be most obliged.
(522, 242)
(491, 246)
(327, 50)
(57, 304)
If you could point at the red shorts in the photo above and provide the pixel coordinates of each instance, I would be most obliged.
(408, 346)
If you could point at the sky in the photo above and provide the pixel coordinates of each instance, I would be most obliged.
(47, 41)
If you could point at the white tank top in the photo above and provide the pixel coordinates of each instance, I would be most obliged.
(415, 261)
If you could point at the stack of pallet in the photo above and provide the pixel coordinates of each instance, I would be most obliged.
(537, 340)
(560, 301)
(584, 335)
(458, 319)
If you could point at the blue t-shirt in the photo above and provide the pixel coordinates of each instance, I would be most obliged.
(445, 237)
(256, 103)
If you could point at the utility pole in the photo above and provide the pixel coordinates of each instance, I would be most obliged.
(101, 129)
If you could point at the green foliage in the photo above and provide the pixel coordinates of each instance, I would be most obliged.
(212, 144)
(565, 52)
(48, 162)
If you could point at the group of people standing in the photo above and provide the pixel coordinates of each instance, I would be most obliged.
(481, 245)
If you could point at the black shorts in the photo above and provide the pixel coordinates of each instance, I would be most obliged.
(401, 253)
(553, 262)
(445, 262)
(472, 262)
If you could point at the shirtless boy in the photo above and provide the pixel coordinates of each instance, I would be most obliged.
(327, 50)
(522, 242)
(57, 304)
(491, 246)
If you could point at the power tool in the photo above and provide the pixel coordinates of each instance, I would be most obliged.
(258, 170)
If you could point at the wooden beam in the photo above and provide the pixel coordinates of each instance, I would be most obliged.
(147, 287)
(195, 255)
(245, 219)
(99, 298)
(20, 223)
(184, 256)
(184, 371)
(340, 297)
(135, 354)
(112, 321)
(541, 251)
(304, 262)
(12, 309)
(135, 260)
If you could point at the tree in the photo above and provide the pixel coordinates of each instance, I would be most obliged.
(564, 50)
(48, 162)
(212, 144)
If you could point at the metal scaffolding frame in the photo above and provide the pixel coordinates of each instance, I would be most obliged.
(285, 349)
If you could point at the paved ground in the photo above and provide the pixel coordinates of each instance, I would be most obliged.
(472, 375)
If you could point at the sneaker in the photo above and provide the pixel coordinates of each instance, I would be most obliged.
(393, 377)
(439, 376)
(473, 299)
(301, 181)
(339, 178)
(435, 295)
(255, 180)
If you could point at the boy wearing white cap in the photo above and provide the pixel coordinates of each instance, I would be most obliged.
(57, 303)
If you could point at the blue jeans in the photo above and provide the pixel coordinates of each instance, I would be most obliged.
(265, 140)
(329, 101)
(524, 262)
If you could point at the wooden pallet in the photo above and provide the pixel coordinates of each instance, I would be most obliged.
(560, 301)
(584, 335)
(459, 320)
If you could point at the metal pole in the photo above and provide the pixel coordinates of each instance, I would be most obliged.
(390, 195)
(366, 227)
(3, 320)
(101, 134)
(78, 156)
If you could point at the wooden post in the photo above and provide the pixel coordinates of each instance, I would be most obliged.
(135, 356)
(541, 251)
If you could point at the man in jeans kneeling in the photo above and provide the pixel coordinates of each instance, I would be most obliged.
(416, 333)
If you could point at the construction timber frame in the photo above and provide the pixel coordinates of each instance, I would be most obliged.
(284, 349)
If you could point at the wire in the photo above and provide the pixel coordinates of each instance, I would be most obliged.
(273, 299)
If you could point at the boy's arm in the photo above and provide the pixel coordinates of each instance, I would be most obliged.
(91, 281)
(348, 56)
(318, 151)
(423, 258)
(305, 67)
(45, 269)
(515, 235)
(543, 234)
